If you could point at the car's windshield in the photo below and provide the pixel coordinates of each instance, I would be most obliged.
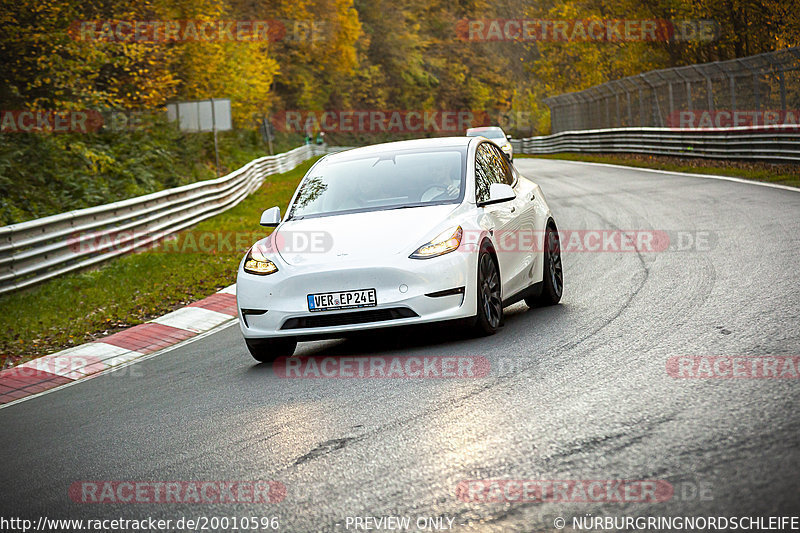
(489, 134)
(378, 181)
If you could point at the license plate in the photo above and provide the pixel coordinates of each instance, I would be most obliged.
(330, 301)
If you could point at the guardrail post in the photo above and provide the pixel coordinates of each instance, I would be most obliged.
(782, 83)
(689, 105)
(709, 93)
(630, 113)
(757, 91)
(641, 107)
(671, 102)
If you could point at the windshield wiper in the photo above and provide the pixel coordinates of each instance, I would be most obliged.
(408, 206)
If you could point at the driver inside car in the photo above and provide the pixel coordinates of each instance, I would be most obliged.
(445, 182)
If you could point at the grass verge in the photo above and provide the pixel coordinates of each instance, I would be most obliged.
(84, 306)
(784, 174)
(44, 174)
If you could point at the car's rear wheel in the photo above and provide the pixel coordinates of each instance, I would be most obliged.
(267, 350)
(553, 272)
(490, 304)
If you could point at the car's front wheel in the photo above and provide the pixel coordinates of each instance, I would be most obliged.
(490, 304)
(267, 350)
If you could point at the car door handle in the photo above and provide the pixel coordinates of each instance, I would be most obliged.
(532, 197)
(513, 209)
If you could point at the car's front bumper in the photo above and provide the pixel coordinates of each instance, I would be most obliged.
(403, 293)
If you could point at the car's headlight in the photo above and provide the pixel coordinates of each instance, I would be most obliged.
(445, 242)
(257, 263)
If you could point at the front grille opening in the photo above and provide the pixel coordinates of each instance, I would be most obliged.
(447, 292)
(246, 312)
(343, 319)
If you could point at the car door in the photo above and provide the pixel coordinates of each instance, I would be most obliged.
(517, 242)
(502, 219)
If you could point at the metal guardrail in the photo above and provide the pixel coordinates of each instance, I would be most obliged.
(37, 250)
(779, 144)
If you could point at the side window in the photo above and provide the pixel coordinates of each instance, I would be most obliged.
(484, 172)
(490, 167)
(502, 167)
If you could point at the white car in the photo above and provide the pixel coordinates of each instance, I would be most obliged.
(397, 234)
(496, 135)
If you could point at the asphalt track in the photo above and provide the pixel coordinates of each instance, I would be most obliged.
(579, 391)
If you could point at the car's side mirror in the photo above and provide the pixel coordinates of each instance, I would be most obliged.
(508, 137)
(271, 217)
(499, 193)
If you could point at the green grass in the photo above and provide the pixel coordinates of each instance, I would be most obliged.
(84, 306)
(46, 174)
(784, 174)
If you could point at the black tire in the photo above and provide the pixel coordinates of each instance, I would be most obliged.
(267, 350)
(489, 317)
(553, 272)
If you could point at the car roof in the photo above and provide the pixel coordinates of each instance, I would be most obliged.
(485, 128)
(413, 144)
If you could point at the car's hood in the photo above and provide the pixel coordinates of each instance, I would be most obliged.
(501, 142)
(372, 234)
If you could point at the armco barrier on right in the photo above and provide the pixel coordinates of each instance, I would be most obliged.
(775, 143)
